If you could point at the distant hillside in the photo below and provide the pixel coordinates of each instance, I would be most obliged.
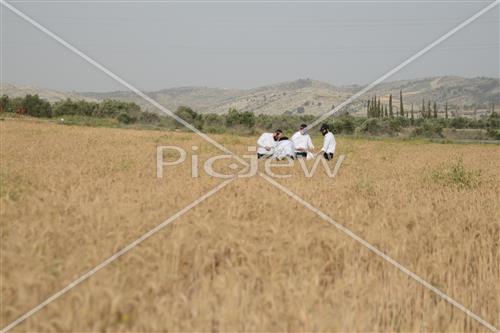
(47, 94)
(304, 96)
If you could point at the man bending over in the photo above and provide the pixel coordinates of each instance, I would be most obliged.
(267, 142)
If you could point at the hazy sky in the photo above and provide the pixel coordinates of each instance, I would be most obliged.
(243, 45)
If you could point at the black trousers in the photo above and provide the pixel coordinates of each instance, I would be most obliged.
(301, 154)
(328, 156)
(259, 156)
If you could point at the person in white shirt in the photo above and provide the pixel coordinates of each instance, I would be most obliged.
(329, 143)
(302, 142)
(267, 142)
(284, 149)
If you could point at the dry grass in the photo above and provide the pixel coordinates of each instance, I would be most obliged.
(249, 258)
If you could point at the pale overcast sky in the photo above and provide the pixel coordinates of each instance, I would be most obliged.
(243, 45)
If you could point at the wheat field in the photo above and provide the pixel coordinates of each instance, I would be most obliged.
(248, 258)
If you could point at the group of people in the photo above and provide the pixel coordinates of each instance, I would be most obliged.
(277, 145)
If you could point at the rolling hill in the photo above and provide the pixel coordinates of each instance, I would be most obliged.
(303, 96)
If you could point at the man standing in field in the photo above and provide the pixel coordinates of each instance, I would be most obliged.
(267, 142)
(329, 143)
(302, 142)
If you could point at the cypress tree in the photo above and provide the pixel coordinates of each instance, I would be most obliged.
(429, 109)
(401, 108)
(446, 110)
(379, 108)
(423, 108)
(390, 106)
(435, 110)
(368, 109)
(412, 111)
(385, 111)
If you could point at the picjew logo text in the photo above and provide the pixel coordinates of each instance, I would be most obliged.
(236, 169)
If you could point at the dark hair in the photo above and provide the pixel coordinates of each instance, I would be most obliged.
(283, 138)
(302, 126)
(324, 127)
(278, 131)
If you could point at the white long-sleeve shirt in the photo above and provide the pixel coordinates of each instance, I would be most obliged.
(266, 140)
(302, 141)
(283, 149)
(329, 143)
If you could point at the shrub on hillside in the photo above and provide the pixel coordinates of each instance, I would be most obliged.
(370, 126)
(399, 122)
(214, 123)
(343, 125)
(69, 107)
(31, 105)
(264, 122)
(126, 118)
(429, 129)
(4, 103)
(493, 133)
(459, 122)
(289, 124)
(147, 117)
(190, 116)
(376, 126)
(15, 105)
(245, 119)
(493, 120)
(36, 107)
(113, 108)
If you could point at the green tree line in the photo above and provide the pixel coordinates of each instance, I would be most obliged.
(376, 109)
(381, 120)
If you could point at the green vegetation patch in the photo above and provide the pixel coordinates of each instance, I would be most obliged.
(455, 174)
(381, 120)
